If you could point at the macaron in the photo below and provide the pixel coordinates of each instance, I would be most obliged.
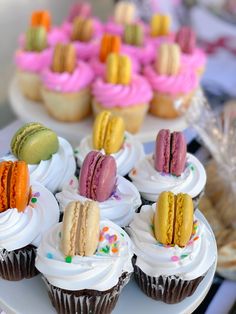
(36, 39)
(82, 29)
(124, 12)
(170, 152)
(41, 18)
(118, 69)
(34, 142)
(97, 176)
(80, 229)
(168, 59)
(64, 58)
(160, 25)
(134, 35)
(108, 132)
(186, 39)
(14, 185)
(173, 219)
(109, 43)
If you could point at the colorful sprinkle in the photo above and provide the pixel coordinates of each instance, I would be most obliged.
(76, 151)
(105, 229)
(34, 200)
(174, 258)
(49, 255)
(183, 256)
(134, 172)
(106, 249)
(37, 194)
(101, 239)
(114, 250)
(196, 238)
(68, 259)
(122, 234)
(71, 182)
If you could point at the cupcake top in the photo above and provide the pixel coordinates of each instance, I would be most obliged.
(50, 159)
(24, 214)
(94, 260)
(121, 88)
(188, 257)
(170, 168)
(169, 76)
(66, 75)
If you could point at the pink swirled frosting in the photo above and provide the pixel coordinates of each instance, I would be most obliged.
(57, 35)
(144, 55)
(111, 95)
(185, 82)
(65, 82)
(34, 62)
(112, 27)
(86, 51)
(195, 60)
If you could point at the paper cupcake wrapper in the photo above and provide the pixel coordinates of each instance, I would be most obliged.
(18, 264)
(168, 289)
(86, 301)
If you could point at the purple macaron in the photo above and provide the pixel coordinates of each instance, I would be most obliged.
(97, 176)
(170, 153)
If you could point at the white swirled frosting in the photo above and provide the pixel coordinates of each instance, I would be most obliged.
(98, 272)
(126, 158)
(151, 183)
(21, 229)
(155, 260)
(119, 208)
(55, 172)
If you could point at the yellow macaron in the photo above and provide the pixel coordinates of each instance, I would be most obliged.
(118, 69)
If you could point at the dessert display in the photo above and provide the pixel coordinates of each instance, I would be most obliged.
(173, 248)
(50, 158)
(170, 168)
(98, 180)
(66, 85)
(24, 217)
(109, 135)
(172, 83)
(85, 261)
(121, 92)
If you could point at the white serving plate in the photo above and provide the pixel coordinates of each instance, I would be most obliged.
(29, 111)
(30, 296)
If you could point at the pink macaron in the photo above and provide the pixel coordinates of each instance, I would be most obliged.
(186, 39)
(170, 153)
(97, 176)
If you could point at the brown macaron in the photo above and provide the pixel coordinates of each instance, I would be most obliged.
(64, 58)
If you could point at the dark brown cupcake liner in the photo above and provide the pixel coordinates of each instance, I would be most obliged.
(168, 289)
(18, 264)
(86, 301)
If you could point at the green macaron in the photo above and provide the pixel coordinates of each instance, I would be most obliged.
(36, 39)
(133, 35)
(34, 142)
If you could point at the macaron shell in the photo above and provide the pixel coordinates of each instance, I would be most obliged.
(104, 179)
(112, 68)
(99, 129)
(87, 172)
(125, 70)
(162, 151)
(38, 145)
(183, 219)
(164, 218)
(178, 153)
(114, 135)
(19, 191)
(70, 59)
(186, 38)
(5, 167)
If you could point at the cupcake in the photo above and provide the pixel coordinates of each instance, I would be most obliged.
(136, 46)
(85, 34)
(174, 249)
(173, 85)
(192, 57)
(24, 217)
(31, 60)
(110, 44)
(50, 158)
(66, 86)
(85, 262)
(121, 92)
(110, 137)
(118, 198)
(169, 169)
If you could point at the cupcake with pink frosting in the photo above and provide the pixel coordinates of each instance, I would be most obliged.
(66, 85)
(121, 92)
(192, 56)
(30, 60)
(173, 84)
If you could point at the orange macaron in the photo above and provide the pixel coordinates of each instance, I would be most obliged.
(14, 185)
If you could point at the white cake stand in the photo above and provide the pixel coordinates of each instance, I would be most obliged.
(29, 111)
(30, 296)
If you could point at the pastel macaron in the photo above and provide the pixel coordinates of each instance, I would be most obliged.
(173, 219)
(14, 185)
(34, 142)
(97, 176)
(108, 132)
(80, 229)
(170, 152)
